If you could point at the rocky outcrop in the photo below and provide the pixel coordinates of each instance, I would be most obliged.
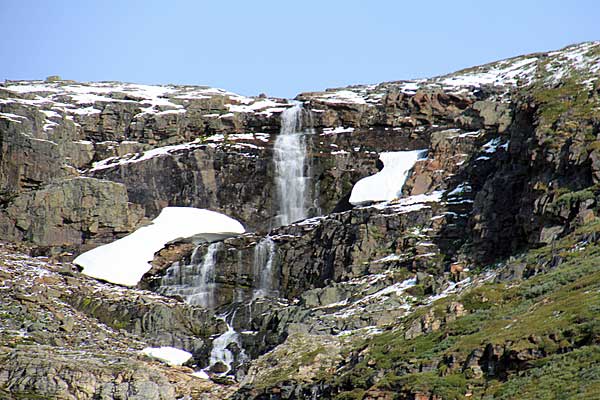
(336, 248)
(52, 132)
(70, 214)
(236, 182)
(67, 336)
(70, 126)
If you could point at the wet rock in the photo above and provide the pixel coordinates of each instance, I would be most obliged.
(219, 368)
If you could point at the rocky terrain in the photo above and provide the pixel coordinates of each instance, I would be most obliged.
(480, 280)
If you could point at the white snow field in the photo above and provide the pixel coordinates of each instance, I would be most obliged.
(387, 184)
(169, 355)
(126, 260)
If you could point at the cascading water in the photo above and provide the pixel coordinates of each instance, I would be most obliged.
(290, 163)
(221, 353)
(194, 282)
(264, 253)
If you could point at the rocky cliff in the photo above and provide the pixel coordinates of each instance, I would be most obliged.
(478, 280)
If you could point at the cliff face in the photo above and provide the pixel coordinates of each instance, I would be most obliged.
(361, 302)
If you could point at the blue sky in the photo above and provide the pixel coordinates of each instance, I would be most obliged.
(277, 47)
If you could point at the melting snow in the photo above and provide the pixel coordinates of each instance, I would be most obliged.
(263, 137)
(387, 184)
(396, 288)
(134, 158)
(464, 134)
(391, 257)
(126, 260)
(563, 62)
(460, 189)
(200, 374)
(12, 117)
(492, 145)
(28, 88)
(503, 73)
(410, 87)
(256, 106)
(432, 197)
(169, 355)
(335, 131)
(154, 99)
(412, 203)
(342, 96)
(454, 287)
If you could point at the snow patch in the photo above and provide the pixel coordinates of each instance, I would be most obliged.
(200, 374)
(397, 289)
(335, 131)
(169, 355)
(126, 260)
(135, 158)
(453, 287)
(507, 72)
(390, 258)
(256, 106)
(387, 184)
(341, 97)
(460, 189)
(410, 87)
(491, 146)
(12, 117)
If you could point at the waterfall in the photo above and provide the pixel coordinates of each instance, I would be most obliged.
(194, 282)
(220, 352)
(264, 253)
(289, 156)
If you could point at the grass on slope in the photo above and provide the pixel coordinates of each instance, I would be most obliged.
(545, 332)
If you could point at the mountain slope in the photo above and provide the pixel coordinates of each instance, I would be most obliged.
(479, 280)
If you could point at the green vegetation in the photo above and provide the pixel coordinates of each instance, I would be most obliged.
(309, 357)
(570, 101)
(571, 198)
(565, 108)
(563, 376)
(449, 387)
(355, 394)
(545, 331)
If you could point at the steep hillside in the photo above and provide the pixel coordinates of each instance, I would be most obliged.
(465, 268)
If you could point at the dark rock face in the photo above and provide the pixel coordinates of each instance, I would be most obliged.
(70, 213)
(336, 248)
(236, 183)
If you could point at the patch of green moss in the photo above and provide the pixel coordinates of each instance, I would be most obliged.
(120, 324)
(569, 199)
(309, 357)
(565, 376)
(416, 290)
(355, 394)
(86, 302)
(565, 108)
(449, 387)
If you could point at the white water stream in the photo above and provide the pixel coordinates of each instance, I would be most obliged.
(264, 254)
(290, 164)
(220, 352)
(194, 282)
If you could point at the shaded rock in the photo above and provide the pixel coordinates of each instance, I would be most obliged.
(71, 213)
